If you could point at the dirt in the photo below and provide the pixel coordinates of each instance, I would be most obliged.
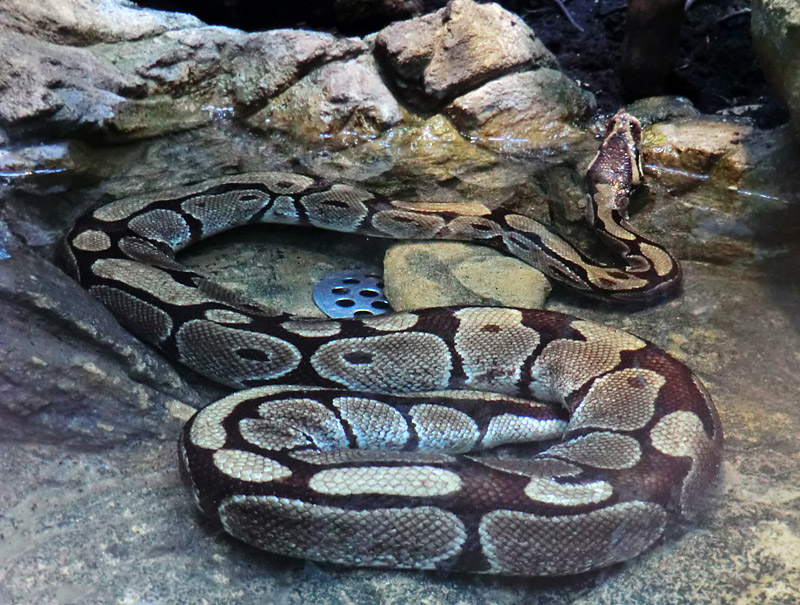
(716, 68)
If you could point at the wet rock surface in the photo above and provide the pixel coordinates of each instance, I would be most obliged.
(532, 108)
(91, 505)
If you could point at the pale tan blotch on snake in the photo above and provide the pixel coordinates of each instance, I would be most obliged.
(365, 449)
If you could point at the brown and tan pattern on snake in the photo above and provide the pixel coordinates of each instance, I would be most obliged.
(361, 441)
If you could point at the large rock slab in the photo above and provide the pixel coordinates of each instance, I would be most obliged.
(726, 192)
(68, 368)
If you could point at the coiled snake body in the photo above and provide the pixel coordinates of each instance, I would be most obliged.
(358, 444)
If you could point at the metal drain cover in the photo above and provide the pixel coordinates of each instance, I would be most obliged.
(351, 294)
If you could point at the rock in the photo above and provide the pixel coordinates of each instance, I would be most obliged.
(66, 365)
(343, 100)
(438, 274)
(775, 29)
(460, 47)
(62, 87)
(434, 150)
(267, 63)
(20, 161)
(407, 46)
(725, 191)
(706, 146)
(279, 266)
(87, 22)
(213, 70)
(173, 80)
(662, 109)
(532, 109)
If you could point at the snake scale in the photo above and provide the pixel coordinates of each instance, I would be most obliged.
(359, 441)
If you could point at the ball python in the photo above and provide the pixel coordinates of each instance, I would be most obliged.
(363, 441)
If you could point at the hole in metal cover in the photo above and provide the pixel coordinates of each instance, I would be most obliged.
(351, 293)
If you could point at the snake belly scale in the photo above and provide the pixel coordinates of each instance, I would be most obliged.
(360, 441)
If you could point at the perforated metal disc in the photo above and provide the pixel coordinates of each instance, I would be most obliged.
(351, 294)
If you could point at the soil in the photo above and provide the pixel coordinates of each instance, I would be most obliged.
(716, 68)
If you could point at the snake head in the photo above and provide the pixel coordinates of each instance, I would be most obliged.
(617, 168)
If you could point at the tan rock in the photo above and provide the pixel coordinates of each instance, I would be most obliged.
(723, 190)
(439, 274)
(705, 146)
(527, 110)
(460, 47)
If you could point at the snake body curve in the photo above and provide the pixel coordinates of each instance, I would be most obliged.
(358, 441)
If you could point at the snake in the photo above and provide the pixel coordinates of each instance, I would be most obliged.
(494, 440)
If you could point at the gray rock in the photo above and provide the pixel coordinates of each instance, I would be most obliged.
(407, 47)
(460, 47)
(343, 100)
(440, 274)
(63, 87)
(432, 154)
(775, 28)
(85, 22)
(663, 109)
(267, 63)
(172, 79)
(66, 365)
(279, 266)
(29, 160)
(532, 109)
